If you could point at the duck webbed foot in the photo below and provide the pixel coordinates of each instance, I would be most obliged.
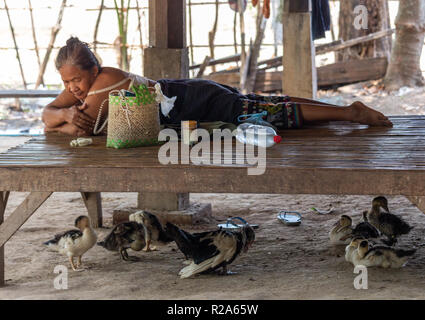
(73, 266)
(126, 257)
(225, 272)
(148, 248)
(79, 263)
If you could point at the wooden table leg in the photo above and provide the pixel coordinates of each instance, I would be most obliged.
(21, 214)
(93, 202)
(418, 201)
(4, 195)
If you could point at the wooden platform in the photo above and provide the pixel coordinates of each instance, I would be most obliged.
(336, 158)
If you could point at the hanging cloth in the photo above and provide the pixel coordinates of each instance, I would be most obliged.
(321, 18)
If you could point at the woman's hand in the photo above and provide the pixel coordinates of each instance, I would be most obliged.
(69, 129)
(75, 115)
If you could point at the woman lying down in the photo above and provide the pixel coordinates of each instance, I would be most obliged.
(87, 85)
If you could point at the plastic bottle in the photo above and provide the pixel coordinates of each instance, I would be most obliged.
(262, 136)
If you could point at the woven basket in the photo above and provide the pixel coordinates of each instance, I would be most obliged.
(129, 124)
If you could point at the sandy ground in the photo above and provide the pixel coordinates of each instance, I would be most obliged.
(284, 262)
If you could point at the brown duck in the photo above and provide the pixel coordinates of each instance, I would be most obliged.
(387, 223)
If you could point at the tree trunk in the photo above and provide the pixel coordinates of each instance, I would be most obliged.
(378, 19)
(404, 68)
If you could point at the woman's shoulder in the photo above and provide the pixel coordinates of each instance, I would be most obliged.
(110, 76)
(107, 77)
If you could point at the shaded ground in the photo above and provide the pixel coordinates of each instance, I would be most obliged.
(284, 262)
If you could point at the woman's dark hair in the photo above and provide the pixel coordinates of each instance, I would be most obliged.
(76, 53)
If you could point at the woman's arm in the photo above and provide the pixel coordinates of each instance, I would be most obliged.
(65, 109)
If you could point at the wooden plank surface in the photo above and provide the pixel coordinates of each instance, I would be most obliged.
(335, 158)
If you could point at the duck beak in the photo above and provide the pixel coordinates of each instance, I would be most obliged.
(385, 207)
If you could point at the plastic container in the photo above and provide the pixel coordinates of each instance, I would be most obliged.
(256, 118)
(257, 135)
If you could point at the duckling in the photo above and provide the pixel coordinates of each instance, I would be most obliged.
(387, 223)
(349, 250)
(74, 243)
(365, 229)
(380, 256)
(152, 229)
(211, 250)
(342, 231)
(126, 235)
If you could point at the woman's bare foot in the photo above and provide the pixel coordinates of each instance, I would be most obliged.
(363, 114)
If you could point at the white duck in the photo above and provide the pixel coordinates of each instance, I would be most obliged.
(74, 243)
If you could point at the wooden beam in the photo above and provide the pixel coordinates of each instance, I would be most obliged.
(93, 202)
(352, 71)
(4, 196)
(333, 74)
(352, 42)
(213, 62)
(21, 214)
(320, 49)
(203, 67)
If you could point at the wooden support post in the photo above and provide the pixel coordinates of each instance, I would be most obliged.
(166, 57)
(93, 202)
(4, 195)
(167, 54)
(17, 219)
(299, 69)
(418, 201)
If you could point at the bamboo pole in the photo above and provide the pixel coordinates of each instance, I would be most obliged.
(139, 28)
(16, 45)
(255, 50)
(122, 26)
(212, 33)
(190, 32)
(203, 67)
(35, 38)
(235, 39)
(242, 30)
(54, 33)
(96, 28)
